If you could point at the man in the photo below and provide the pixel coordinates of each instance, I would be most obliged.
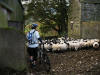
(33, 43)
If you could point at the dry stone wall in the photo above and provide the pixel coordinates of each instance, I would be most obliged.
(85, 15)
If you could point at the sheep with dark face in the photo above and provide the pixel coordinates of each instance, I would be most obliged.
(95, 45)
(48, 47)
(63, 46)
(74, 45)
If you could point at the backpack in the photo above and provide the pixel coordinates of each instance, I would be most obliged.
(30, 37)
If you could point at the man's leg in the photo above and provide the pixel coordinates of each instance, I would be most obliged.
(35, 55)
(29, 50)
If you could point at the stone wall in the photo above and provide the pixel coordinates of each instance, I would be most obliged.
(18, 11)
(14, 19)
(90, 29)
(75, 16)
(90, 20)
(12, 49)
(85, 15)
(90, 12)
(3, 18)
(12, 42)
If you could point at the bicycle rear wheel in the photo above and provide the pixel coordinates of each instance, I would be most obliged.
(44, 60)
(46, 63)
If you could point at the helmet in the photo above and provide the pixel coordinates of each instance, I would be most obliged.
(34, 25)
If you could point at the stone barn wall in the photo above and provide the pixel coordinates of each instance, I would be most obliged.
(90, 21)
(3, 18)
(12, 49)
(85, 15)
(75, 16)
(12, 38)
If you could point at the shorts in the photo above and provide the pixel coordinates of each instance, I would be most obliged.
(33, 52)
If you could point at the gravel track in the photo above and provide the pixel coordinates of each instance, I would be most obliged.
(83, 62)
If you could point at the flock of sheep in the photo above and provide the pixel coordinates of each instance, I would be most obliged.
(62, 43)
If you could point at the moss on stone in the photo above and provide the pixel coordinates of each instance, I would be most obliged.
(3, 19)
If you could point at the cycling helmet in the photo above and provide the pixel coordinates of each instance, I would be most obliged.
(34, 25)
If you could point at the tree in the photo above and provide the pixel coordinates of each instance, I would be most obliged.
(52, 14)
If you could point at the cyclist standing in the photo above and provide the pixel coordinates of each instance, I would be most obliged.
(33, 43)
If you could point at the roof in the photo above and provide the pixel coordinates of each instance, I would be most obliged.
(3, 4)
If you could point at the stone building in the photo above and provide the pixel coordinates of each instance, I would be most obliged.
(5, 12)
(12, 38)
(84, 19)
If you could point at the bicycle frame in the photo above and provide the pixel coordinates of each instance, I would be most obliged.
(44, 59)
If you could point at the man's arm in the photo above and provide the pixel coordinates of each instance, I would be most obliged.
(38, 36)
(40, 40)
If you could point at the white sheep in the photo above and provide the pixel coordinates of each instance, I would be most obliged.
(55, 47)
(74, 45)
(82, 44)
(63, 46)
(47, 46)
(95, 45)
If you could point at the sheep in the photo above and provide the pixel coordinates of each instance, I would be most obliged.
(55, 47)
(77, 46)
(61, 40)
(63, 46)
(87, 43)
(70, 45)
(96, 40)
(48, 47)
(82, 44)
(74, 45)
(91, 42)
(95, 45)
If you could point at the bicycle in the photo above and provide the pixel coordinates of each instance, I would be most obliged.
(43, 58)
